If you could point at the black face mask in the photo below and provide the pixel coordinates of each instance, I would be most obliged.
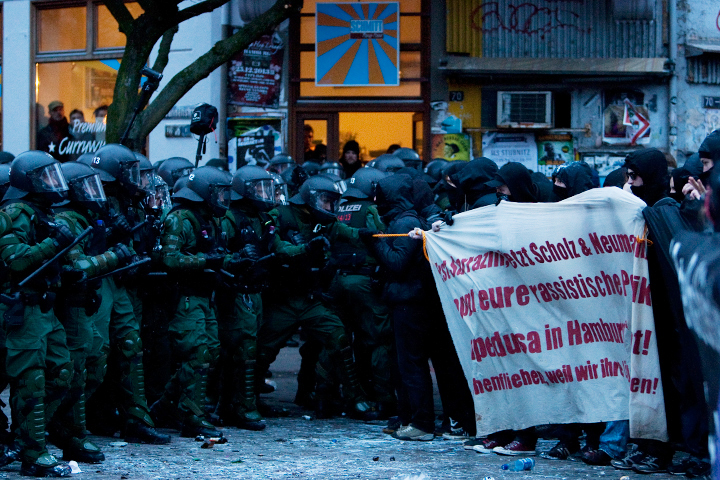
(705, 176)
(639, 192)
(501, 197)
(561, 192)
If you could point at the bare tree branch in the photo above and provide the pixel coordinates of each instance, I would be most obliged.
(223, 50)
(122, 15)
(164, 49)
(197, 9)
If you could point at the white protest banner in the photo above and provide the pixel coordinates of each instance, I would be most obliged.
(550, 311)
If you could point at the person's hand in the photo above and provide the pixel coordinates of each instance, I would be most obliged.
(239, 264)
(694, 189)
(61, 235)
(318, 246)
(448, 217)
(436, 225)
(214, 261)
(417, 233)
(366, 235)
(123, 254)
(119, 223)
(250, 251)
(71, 276)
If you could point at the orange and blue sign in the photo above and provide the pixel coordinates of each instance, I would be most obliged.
(357, 44)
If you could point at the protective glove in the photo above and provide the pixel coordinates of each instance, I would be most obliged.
(214, 261)
(70, 276)
(298, 239)
(123, 254)
(366, 235)
(238, 264)
(318, 246)
(61, 235)
(251, 252)
(448, 217)
(120, 224)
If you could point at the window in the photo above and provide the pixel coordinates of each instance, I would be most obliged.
(76, 64)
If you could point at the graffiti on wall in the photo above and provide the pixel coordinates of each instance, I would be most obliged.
(527, 18)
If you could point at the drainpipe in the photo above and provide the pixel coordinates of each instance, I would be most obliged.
(673, 92)
(222, 108)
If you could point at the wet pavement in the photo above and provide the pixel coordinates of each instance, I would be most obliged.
(300, 447)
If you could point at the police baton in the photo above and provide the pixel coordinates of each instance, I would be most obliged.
(122, 269)
(57, 256)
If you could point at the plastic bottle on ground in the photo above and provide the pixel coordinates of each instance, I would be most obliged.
(519, 465)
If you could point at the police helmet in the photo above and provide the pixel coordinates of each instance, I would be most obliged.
(312, 168)
(332, 168)
(362, 184)
(120, 165)
(410, 157)
(209, 185)
(388, 162)
(320, 195)
(4, 179)
(37, 173)
(147, 173)
(6, 157)
(85, 186)
(173, 168)
(180, 184)
(281, 188)
(280, 163)
(435, 168)
(158, 201)
(253, 183)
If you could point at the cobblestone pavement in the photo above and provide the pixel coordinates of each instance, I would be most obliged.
(300, 447)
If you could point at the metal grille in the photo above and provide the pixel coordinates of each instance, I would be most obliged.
(703, 69)
(524, 107)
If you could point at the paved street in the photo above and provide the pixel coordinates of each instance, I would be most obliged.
(300, 447)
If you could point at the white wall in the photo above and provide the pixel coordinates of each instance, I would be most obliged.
(17, 94)
(195, 37)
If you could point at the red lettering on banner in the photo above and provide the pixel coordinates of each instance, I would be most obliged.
(644, 385)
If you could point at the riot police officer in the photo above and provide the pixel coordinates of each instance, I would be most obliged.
(173, 168)
(38, 361)
(305, 230)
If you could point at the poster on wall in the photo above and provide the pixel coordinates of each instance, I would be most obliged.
(452, 146)
(511, 147)
(357, 44)
(254, 73)
(554, 150)
(253, 141)
(625, 120)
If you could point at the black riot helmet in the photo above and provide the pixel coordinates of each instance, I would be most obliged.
(147, 173)
(312, 168)
(119, 165)
(180, 184)
(85, 186)
(320, 195)
(254, 184)
(435, 168)
(39, 175)
(173, 168)
(410, 157)
(388, 162)
(362, 184)
(4, 179)
(209, 185)
(332, 168)
(6, 157)
(280, 163)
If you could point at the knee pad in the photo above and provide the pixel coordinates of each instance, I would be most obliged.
(61, 376)
(249, 350)
(338, 341)
(200, 358)
(131, 345)
(33, 382)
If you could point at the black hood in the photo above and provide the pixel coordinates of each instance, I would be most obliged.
(519, 180)
(616, 178)
(393, 196)
(650, 164)
(472, 179)
(710, 147)
(577, 177)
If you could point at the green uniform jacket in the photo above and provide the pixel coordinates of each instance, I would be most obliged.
(92, 265)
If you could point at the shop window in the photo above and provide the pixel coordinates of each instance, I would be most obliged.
(77, 59)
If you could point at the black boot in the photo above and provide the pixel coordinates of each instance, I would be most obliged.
(139, 432)
(45, 466)
(357, 406)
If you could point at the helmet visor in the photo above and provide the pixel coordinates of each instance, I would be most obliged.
(49, 179)
(341, 185)
(281, 194)
(262, 190)
(220, 196)
(92, 189)
(326, 201)
(181, 172)
(339, 172)
(147, 182)
(159, 199)
(131, 173)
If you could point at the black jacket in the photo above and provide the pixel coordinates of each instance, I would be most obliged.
(471, 181)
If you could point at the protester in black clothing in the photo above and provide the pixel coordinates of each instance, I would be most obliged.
(648, 176)
(471, 181)
(513, 182)
(572, 178)
(350, 158)
(49, 138)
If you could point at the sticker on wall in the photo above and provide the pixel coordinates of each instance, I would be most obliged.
(452, 146)
(554, 150)
(357, 44)
(511, 147)
(625, 120)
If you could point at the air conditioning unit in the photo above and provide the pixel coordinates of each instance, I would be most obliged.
(524, 109)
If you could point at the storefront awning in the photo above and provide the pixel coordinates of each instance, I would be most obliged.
(554, 66)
